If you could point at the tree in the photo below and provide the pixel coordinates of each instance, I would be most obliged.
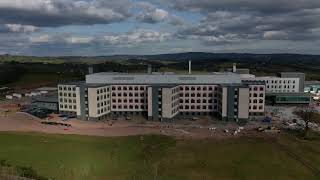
(308, 115)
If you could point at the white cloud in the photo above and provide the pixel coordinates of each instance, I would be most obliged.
(63, 12)
(136, 37)
(18, 28)
(79, 40)
(44, 38)
(275, 35)
(151, 14)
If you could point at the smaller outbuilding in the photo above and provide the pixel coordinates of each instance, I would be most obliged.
(46, 102)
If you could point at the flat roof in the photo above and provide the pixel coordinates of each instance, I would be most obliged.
(48, 99)
(163, 78)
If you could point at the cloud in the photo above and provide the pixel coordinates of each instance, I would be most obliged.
(136, 37)
(263, 6)
(151, 14)
(247, 23)
(18, 28)
(44, 38)
(79, 40)
(51, 13)
(275, 35)
(120, 39)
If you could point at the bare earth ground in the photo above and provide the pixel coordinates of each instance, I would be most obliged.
(11, 120)
(23, 122)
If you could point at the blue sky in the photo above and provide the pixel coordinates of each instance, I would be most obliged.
(99, 27)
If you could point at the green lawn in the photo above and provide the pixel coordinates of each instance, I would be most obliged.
(157, 157)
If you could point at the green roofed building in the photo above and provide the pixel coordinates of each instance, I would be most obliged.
(288, 98)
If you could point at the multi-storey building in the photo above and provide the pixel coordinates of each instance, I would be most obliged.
(163, 96)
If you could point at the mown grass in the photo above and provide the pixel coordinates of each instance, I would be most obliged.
(157, 157)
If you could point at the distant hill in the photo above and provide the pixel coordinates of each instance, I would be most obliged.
(194, 56)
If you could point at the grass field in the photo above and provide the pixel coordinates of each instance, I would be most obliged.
(158, 157)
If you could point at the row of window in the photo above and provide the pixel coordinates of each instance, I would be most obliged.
(199, 88)
(129, 100)
(174, 111)
(255, 107)
(103, 97)
(285, 86)
(68, 106)
(210, 107)
(67, 100)
(65, 88)
(174, 104)
(175, 90)
(103, 103)
(129, 107)
(198, 95)
(256, 101)
(256, 95)
(103, 110)
(198, 101)
(175, 97)
(67, 94)
(256, 88)
(280, 81)
(130, 88)
(127, 94)
(103, 90)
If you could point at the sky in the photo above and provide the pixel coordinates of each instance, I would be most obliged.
(110, 27)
